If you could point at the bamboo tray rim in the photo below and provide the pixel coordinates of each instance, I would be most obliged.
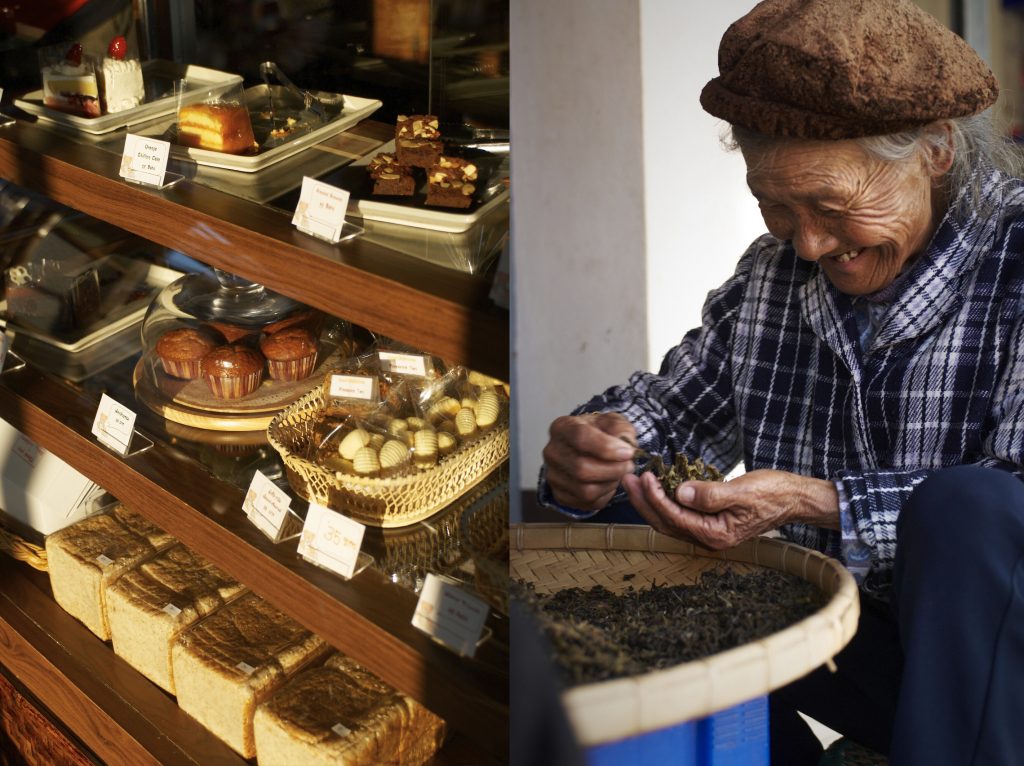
(612, 710)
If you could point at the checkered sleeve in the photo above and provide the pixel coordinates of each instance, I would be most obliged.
(687, 406)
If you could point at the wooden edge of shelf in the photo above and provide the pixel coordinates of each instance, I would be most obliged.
(420, 303)
(472, 694)
(116, 712)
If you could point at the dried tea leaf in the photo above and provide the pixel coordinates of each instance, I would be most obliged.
(597, 635)
(681, 470)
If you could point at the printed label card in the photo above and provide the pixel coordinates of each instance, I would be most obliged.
(320, 211)
(145, 160)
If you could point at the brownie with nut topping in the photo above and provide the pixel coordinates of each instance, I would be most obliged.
(451, 182)
(389, 177)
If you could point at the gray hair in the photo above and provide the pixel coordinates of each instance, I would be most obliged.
(976, 143)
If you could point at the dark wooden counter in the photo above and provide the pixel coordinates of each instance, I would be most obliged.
(435, 309)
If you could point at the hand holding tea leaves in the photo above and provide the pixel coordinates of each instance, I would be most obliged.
(721, 515)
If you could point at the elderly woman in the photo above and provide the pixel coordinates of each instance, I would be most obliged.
(866, 364)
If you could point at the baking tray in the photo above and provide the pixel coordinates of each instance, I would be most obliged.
(159, 77)
(112, 338)
(492, 192)
(271, 151)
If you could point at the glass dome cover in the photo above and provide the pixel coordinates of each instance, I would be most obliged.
(263, 350)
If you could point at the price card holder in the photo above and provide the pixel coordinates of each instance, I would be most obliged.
(9, 361)
(333, 542)
(451, 615)
(144, 162)
(114, 427)
(320, 212)
(268, 507)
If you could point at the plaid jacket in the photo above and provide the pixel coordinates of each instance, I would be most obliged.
(776, 377)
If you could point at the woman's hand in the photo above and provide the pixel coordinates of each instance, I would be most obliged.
(721, 515)
(586, 457)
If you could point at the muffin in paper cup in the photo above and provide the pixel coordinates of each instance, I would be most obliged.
(291, 353)
(232, 371)
(181, 351)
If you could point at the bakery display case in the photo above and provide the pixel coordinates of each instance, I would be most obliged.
(234, 227)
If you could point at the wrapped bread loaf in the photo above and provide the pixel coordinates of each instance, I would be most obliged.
(148, 606)
(340, 713)
(226, 664)
(86, 558)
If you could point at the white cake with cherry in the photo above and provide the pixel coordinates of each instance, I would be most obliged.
(120, 78)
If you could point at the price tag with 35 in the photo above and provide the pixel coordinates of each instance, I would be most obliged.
(331, 540)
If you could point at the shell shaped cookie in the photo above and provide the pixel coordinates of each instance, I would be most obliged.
(487, 409)
(425, 446)
(465, 422)
(365, 462)
(354, 440)
(393, 454)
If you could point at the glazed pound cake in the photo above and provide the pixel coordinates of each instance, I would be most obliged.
(229, 662)
(156, 600)
(341, 714)
(216, 127)
(86, 558)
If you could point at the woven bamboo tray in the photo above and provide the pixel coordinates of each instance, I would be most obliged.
(391, 502)
(559, 556)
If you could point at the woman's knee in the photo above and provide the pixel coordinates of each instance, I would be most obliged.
(956, 506)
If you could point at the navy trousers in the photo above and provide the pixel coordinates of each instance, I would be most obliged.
(936, 677)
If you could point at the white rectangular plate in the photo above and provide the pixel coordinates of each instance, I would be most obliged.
(156, 278)
(411, 211)
(356, 109)
(159, 76)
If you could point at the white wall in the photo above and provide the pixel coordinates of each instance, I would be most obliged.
(699, 215)
(578, 276)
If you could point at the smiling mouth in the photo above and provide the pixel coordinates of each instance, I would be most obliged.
(848, 256)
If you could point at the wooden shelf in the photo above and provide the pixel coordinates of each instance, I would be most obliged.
(368, 617)
(117, 713)
(438, 310)
(430, 307)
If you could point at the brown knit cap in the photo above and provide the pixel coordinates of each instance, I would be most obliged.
(823, 69)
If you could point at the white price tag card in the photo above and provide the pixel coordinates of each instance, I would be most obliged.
(266, 505)
(403, 364)
(144, 160)
(321, 209)
(5, 346)
(362, 387)
(114, 424)
(450, 614)
(331, 540)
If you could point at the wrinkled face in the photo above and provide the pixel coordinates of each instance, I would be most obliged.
(861, 219)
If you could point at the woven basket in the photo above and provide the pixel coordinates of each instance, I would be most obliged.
(22, 550)
(392, 502)
(559, 556)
